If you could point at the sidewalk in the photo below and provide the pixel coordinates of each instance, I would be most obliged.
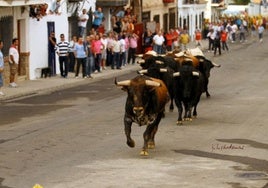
(50, 84)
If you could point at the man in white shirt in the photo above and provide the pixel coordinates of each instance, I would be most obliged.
(158, 40)
(13, 61)
(82, 22)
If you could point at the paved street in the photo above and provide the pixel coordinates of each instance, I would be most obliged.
(74, 137)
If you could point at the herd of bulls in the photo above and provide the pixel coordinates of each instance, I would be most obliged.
(181, 77)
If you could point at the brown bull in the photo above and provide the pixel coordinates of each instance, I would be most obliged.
(145, 105)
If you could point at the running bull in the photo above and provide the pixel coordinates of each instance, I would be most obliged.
(145, 105)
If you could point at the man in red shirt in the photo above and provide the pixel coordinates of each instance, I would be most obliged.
(224, 37)
(169, 40)
(198, 38)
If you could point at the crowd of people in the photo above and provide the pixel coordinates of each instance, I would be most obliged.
(93, 51)
(234, 29)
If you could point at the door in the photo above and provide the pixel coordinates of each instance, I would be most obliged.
(51, 49)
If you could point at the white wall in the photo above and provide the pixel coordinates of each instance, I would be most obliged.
(38, 40)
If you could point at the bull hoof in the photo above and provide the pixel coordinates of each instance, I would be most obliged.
(151, 145)
(190, 119)
(131, 143)
(179, 123)
(144, 153)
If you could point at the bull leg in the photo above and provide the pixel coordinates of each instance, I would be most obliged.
(151, 142)
(180, 110)
(128, 123)
(206, 88)
(171, 106)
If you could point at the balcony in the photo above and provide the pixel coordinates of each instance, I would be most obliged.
(111, 3)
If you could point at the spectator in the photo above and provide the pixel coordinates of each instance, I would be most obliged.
(51, 53)
(123, 50)
(175, 40)
(71, 54)
(242, 30)
(116, 51)
(110, 44)
(198, 38)
(260, 31)
(90, 65)
(133, 43)
(63, 48)
(104, 42)
(98, 18)
(233, 33)
(55, 7)
(158, 41)
(13, 62)
(148, 40)
(80, 54)
(82, 23)
(1, 67)
(168, 39)
(217, 43)
(184, 39)
(224, 37)
(96, 49)
(211, 38)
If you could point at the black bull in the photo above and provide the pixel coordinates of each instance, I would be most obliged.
(145, 105)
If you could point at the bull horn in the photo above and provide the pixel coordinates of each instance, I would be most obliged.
(143, 71)
(195, 73)
(152, 83)
(141, 61)
(176, 74)
(122, 83)
(163, 70)
(215, 65)
(159, 62)
(139, 55)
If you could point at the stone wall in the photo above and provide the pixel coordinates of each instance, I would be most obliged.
(23, 68)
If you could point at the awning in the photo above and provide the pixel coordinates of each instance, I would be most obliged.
(111, 3)
(11, 3)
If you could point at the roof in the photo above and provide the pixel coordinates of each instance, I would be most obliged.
(11, 3)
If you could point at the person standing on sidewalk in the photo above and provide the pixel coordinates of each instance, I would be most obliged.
(260, 31)
(133, 44)
(81, 57)
(13, 62)
(63, 48)
(71, 54)
(224, 37)
(1, 67)
(96, 48)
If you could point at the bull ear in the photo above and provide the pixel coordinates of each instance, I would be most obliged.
(195, 73)
(152, 83)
